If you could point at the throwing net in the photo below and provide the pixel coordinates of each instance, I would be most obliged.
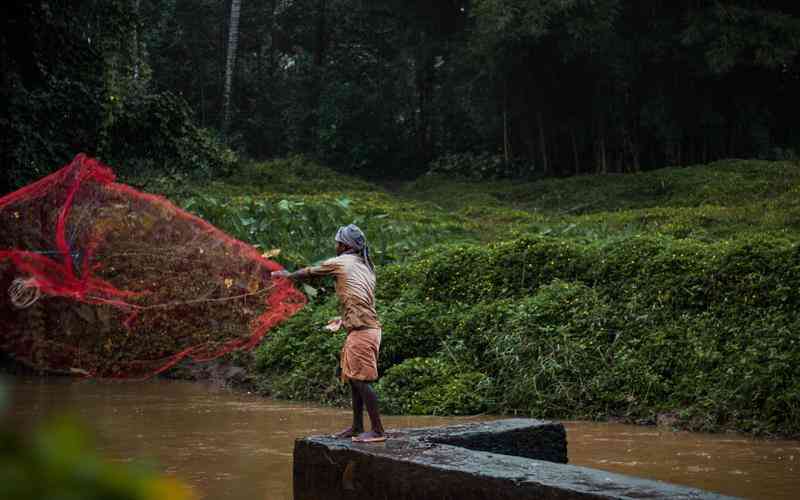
(100, 279)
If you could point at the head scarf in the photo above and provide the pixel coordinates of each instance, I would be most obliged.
(354, 238)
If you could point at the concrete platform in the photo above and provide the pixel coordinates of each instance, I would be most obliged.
(500, 460)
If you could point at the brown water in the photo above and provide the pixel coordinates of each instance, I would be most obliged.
(233, 446)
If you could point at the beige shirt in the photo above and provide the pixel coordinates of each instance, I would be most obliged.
(355, 287)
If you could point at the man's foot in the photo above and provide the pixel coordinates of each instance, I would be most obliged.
(369, 437)
(347, 433)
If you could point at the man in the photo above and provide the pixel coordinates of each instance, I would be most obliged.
(355, 287)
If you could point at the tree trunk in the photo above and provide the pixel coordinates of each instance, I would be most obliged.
(527, 136)
(542, 144)
(321, 37)
(273, 31)
(506, 145)
(233, 39)
(632, 149)
(135, 41)
(424, 83)
(202, 105)
(575, 151)
(602, 165)
(705, 150)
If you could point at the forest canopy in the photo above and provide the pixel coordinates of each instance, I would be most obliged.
(384, 88)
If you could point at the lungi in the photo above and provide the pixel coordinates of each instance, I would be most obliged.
(359, 358)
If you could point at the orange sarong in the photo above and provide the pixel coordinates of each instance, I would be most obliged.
(359, 359)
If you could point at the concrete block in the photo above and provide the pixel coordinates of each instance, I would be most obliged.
(501, 460)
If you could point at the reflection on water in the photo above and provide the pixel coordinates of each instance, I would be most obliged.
(234, 446)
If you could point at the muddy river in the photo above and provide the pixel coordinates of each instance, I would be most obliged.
(234, 446)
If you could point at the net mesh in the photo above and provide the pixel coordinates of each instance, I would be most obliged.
(106, 281)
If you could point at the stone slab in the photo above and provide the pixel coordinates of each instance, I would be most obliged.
(501, 460)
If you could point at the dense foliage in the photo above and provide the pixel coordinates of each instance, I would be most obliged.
(579, 315)
(73, 80)
(546, 87)
(481, 88)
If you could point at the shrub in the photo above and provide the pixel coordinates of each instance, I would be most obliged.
(57, 461)
(295, 174)
(432, 386)
(303, 227)
(545, 350)
(478, 166)
(576, 319)
(155, 133)
(298, 360)
(410, 329)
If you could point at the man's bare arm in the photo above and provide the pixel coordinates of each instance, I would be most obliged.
(299, 275)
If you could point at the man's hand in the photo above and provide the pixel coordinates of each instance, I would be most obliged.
(283, 273)
(334, 324)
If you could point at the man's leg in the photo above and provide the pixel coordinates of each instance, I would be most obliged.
(370, 400)
(358, 414)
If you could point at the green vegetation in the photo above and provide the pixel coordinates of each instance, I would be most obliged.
(393, 89)
(261, 204)
(504, 286)
(673, 292)
(57, 461)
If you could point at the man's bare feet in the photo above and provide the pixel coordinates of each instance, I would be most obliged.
(369, 437)
(347, 433)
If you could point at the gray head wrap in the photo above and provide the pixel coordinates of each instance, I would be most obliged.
(353, 237)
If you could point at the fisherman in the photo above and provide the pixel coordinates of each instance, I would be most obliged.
(355, 287)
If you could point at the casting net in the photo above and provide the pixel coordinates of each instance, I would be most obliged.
(100, 279)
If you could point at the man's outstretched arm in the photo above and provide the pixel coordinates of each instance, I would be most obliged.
(327, 268)
(299, 275)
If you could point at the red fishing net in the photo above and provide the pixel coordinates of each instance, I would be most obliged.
(107, 281)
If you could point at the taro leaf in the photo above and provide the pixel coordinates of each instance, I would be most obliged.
(344, 202)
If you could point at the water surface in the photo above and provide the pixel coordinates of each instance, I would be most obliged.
(233, 446)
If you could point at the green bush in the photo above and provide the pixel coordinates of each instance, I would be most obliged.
(631, 328)
(57, 461)
(303, 227)
(154, 133)
(294, 175)
(629, 314)
(544, 350)
(478, 166)
(411, 329)
(658, 272)
(432, 386)
(298, 360)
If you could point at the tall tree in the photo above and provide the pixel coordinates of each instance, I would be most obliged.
(233, 40)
